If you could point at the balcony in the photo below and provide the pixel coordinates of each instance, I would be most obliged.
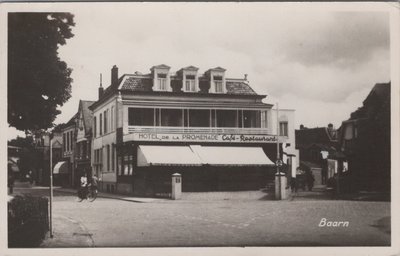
(198, 130)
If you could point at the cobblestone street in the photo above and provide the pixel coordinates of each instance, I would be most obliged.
(235, 221)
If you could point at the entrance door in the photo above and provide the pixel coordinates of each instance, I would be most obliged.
(317, 172)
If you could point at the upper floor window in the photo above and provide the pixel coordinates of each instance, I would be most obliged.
(105, 121)
(251, 119)
(227, 118)
(218, 84)
(171, 117)
(94, 127)
(199, 118)
(72, 139)
(162, 82)
(112, 118)
(141, 116)
(64, 143)
(283, 128)
(68, 138)
(101, 125)
(190, 84)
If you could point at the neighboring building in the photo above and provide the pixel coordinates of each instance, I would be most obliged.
(41, 141)
(84, 121)
(215, 131)
(68, 156)
(365, 140)
(317, 147)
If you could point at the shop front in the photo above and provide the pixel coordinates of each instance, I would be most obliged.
(146, 166)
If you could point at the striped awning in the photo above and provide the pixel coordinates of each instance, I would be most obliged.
(232, 156)
(60, 167)
(149, 155)
(196, 155)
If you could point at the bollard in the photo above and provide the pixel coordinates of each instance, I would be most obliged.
(176, 186)
(280, 186)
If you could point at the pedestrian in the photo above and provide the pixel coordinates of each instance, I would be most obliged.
(293, 184)
(10, 182)
(31, 178)
(310, 180)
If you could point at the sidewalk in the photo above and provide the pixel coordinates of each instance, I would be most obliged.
(67, 233)
(117, 196)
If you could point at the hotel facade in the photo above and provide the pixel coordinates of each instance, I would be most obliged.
(213, 130)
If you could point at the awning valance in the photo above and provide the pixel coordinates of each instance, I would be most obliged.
(60, 167)
(232, 156)
(167, 155)
(195, 155)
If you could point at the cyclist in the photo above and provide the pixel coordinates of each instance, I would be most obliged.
(83, 191)
(94, 183)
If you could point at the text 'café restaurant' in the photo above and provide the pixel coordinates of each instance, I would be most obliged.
(213, 130)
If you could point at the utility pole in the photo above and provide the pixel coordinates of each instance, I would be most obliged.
(277, 150)
(51, 187)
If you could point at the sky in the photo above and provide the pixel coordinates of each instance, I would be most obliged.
(321, 63)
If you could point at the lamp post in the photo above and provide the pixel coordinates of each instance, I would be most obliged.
(51, 188)
(277, 150)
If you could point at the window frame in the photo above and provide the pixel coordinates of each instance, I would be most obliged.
(284, 128)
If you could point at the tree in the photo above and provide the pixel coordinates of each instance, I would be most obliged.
(38, 81)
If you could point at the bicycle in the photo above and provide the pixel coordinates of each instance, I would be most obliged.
(89, 193)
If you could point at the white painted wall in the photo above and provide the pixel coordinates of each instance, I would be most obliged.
(289, 116)
(101, 141)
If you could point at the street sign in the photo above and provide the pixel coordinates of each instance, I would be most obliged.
(279, 163)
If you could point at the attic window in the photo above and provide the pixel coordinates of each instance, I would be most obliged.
(190, 84)
(162, 82)
(218, 84)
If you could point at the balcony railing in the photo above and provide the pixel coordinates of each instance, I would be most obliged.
(196, 130)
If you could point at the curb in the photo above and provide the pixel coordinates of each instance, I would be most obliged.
(102, 195)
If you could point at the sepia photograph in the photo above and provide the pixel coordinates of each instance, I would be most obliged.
(151, 125)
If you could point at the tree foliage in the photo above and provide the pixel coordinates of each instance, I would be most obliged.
(38, 81)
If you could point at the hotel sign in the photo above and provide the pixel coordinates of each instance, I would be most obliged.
(211, 137)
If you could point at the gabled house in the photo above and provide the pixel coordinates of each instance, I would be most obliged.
(316, 146)
(67, 163)
(82, 153)
(365, 141)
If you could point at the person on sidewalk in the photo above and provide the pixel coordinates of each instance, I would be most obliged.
(293, 185)
(10, 182)
(310, 180)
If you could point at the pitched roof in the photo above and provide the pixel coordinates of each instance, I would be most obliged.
(134, 83)
(71, 121)
(145, 83)
(87, 114)
(380, 90)
(239, 87)
(160, 66)
(310, 136)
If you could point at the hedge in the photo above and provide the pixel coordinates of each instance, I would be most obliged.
(27, 221)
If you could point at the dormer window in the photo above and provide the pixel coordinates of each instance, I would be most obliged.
(216, 77)
(218, 84)
(161, 77)
(162, 82)
(190, 85)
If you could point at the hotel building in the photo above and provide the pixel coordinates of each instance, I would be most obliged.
(215, 131)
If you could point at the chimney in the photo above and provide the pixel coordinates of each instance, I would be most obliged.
(245, 77)
(101, 89)
(114, 75)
